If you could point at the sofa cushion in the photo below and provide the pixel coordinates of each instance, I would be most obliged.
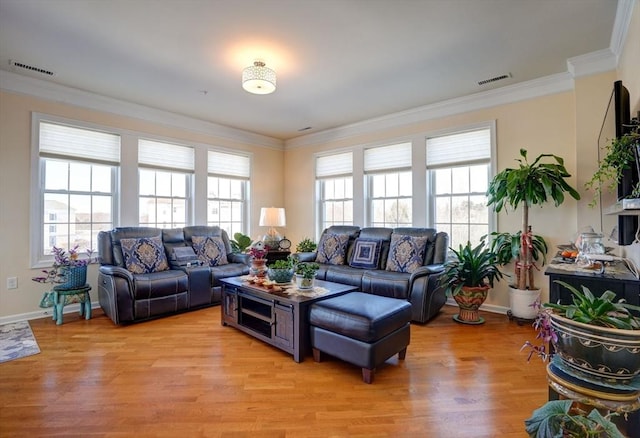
(144, 255)
(332, 249)
(406, 253)
(366, 253)
(210, 250)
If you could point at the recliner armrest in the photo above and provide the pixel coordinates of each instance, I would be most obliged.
(304, 256)
(116, 271)
(236, 257)
(426, 270)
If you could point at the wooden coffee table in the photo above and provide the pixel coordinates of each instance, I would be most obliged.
(277, 318)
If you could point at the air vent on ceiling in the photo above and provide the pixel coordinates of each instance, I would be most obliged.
(31, 68)
(497, 78)
(304, 129)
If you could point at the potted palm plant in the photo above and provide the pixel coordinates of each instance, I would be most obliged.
(529, 184)
(467, 277)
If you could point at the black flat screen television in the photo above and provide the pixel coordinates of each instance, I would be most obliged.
(617, 123)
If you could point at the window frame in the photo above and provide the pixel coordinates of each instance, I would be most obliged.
(38, 258)
(490, 162)
(320, 187)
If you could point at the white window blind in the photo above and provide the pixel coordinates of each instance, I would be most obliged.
(166, 156)
(66, 141)
(333, 165)
(222, 163)
(465, 147)
(397, 156)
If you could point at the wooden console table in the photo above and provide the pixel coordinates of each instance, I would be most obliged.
(616, 278)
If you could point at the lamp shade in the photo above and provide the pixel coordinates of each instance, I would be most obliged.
(272, 217)
(259, 79)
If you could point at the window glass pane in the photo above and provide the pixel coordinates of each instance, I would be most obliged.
(179, 211)
(348, 184)
(329, 189)
(391, 181)
(459, 209)
(225, 188)
(378, 186)
(212, 187)
(179, 185)
(478, 212)
(377, 209)
(56, 175)
(479, 178)
(225, 211)
(164, 210)
(443, 181)
(102, 209)
(443, 209)
(79, 177)
(213, 211)
(404, 211)
(406, 184)
(163, 183)
(147, 209)
(348, 212)
(459, 235)
(460, 177)
(339, 189)
(236, 189)
(477, 231)
(101, 179)
(147, 182)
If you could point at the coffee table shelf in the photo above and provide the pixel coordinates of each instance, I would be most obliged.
(273, 317)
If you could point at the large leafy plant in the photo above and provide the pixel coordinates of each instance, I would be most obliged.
(471, 267)
(529, 184)
(602, 311)
(559, 418)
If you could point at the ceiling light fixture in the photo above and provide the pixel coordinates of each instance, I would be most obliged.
(259, 79)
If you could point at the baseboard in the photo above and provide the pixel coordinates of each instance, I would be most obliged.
(44, 313)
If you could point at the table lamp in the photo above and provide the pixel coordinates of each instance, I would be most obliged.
(272, 217)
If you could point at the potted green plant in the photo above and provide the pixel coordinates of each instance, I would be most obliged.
(305, 274)
(563, 418)
(467, 277)
(620, 154)
(529, 184)
(281, 271)
(240, 242)
(306, 245)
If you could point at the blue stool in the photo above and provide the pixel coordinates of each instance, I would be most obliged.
(62, 297)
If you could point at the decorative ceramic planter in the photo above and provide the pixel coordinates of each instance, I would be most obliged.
(469, 300)
(521, 302)
(73, 277)
(303, 283)
(258, 267)
(601, 353)
(280, 275)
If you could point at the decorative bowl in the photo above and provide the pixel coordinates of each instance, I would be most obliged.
(280, 276)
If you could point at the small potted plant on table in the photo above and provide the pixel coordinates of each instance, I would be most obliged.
(281, 271)
(305, 274)
(467, 277)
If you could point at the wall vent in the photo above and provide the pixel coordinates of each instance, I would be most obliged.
(497, 78)
(20, 65)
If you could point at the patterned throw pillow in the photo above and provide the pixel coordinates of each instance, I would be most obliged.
(366, 253)
(332, 249)
(406, 253)
(210, 250)
(144, 255)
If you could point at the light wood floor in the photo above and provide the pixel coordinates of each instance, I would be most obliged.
(187, 376)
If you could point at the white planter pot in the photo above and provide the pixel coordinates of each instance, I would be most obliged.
(521, 300)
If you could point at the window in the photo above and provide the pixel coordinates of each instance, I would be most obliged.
(458, 167)
(227, 188)
(334, 182)
(165, 184)
(389, 185)
(77, 180)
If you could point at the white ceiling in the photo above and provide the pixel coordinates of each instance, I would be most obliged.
(338, 61)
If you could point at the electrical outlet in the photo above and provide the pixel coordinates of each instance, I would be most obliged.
(12, 282)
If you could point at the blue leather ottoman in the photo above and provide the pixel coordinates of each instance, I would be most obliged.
(362, 329)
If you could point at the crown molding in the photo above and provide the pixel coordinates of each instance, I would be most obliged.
(21, 84)
(592, 63)
(486, 99)
(621, 26)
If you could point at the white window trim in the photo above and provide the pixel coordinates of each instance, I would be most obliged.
(37, 259)
(491, 125)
